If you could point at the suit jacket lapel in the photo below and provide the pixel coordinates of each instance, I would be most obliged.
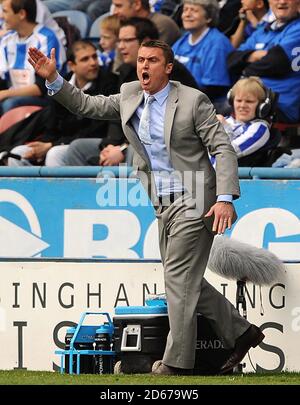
(169, 115)
(132, 103)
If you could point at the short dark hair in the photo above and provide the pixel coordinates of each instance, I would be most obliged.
(167, 50)
(76, 46)
(28, 5)
(144, 28)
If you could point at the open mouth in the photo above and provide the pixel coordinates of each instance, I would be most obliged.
(146, 77)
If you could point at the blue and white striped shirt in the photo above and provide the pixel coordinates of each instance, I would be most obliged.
(106, 58)
(14, 50)
(247, 137)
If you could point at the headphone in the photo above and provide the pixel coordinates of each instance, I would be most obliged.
(264, 107)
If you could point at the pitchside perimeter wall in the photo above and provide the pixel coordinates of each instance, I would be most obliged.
(67, 214)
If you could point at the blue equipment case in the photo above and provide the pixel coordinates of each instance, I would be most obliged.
(141, 334)
(140, 337)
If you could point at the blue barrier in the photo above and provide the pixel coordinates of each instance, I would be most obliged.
(126, 171)
(81, 212)
(66, 172)
(272, 173)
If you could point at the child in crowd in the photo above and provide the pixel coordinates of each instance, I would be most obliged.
(246, 127)
(109, 32)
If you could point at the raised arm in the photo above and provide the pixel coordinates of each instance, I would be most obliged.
(97, 107)
(43, 66)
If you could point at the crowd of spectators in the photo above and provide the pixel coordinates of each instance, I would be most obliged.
(260, 41)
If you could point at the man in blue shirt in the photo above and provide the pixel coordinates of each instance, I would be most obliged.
(270, 53)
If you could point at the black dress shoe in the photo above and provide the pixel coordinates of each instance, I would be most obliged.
(159, 368)
(251, 338)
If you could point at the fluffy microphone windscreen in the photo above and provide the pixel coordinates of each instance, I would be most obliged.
(239, 261)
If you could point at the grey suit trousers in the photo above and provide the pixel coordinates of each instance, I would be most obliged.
(185, 244)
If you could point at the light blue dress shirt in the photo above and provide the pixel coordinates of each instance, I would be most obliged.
(55, 86)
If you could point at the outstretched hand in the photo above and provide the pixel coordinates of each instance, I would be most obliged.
(43, 66)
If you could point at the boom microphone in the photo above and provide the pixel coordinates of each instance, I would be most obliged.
(239, 261)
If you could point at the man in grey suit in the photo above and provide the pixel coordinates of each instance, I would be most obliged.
(192, 201)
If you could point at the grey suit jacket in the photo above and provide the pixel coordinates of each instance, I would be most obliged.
(191, 129)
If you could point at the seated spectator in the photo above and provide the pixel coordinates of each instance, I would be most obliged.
(246, 127)
(44, 17)
(204, 49)
(252, 15)
(19, 84)
(109, 32)
(270, 54)
(62, 127)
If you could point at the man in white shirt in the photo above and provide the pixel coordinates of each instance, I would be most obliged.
(19, 85)
(44, 17)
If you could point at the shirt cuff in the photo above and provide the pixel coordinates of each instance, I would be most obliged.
(55, 86)
(225, 197)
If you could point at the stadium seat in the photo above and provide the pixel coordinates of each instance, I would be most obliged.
(78, 18)
(290, 133)
(15, 115)
(283, 126)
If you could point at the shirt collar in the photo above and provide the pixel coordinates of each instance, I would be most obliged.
(269, 17)
(204, 33)
(73, 82)
(161, 95)
(279, 26)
